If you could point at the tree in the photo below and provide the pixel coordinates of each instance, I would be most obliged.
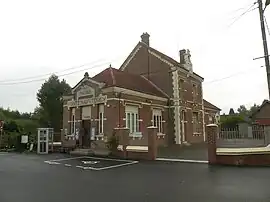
(231, 112)
(242, 110)
(49, 96)
(253, 109)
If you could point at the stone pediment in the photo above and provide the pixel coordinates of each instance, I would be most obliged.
(85, 90)
(87, 87)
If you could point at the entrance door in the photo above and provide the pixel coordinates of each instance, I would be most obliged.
(86, 134)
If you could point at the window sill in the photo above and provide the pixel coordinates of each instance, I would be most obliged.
(99, 137)
(160, 135)
(136, 135)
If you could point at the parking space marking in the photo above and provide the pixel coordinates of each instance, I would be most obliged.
(71, 158)
(116, 166)
(52, 163)
(85, 162)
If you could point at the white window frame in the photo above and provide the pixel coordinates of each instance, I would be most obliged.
(101, 119)
(132, 120)
(157, 120)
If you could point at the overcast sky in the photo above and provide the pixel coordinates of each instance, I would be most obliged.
(41, 37)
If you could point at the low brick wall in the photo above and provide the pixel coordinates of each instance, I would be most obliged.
(244, 156)
(244, 159)
(128, 150)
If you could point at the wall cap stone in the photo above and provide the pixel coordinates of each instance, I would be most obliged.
(123, 128)
(152, 127)
(212, 125)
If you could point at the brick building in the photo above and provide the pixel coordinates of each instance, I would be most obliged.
(262, 115)
(150, 88)
(111, 99)
(190, 112)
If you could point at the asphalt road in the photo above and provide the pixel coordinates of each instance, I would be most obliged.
(26, 178)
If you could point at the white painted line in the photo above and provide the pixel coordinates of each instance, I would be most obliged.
(80, 167)
(52, 163)
(68, 158)
(98, 158)
(90, 168)
(116, 166)
(107, 159)
(181, 160)
(3, 153)
(68, 165)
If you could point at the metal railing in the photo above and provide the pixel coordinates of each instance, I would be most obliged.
(245, 137)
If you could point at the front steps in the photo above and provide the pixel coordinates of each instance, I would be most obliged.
(82, 152)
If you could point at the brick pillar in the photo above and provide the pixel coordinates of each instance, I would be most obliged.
(211, 132)
(152, 142)
(123, 135)
(267, 135)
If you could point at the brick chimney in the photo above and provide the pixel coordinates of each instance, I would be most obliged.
(145, 38)
(185, 59)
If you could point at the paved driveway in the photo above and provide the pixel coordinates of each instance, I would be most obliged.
(28, 178)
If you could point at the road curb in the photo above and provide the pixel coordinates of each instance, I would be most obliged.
(182, 160)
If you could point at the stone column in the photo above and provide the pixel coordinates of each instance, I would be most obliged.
(211, 132)
(152, 142)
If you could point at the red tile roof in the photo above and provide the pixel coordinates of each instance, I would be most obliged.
(210, 106)
(115, 77)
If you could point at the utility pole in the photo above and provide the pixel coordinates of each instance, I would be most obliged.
(1, 132)
(266, 55)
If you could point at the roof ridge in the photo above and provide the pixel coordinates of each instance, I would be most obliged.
(112, 75)
(154, 85)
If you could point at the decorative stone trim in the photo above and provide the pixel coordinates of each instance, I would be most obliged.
(161, 135)
(141, 103)
(131, 56)
(132, 104)
(99, 137)
(158, 108)
(133, 93)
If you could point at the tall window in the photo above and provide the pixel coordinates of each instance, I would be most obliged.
(195, 120)
(72, 123)
(100, 118)
(157, 119)
(132, 118)
(182, 90)
(195, 91)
